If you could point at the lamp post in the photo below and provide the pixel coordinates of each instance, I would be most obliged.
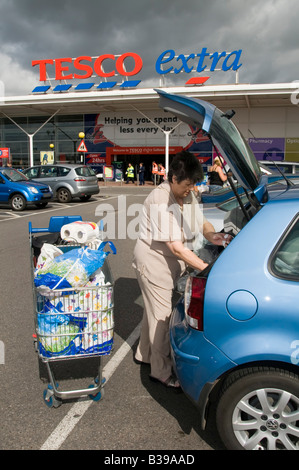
(52, 148)
(81, 136)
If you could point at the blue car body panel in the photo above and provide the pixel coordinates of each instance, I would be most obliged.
(197, 360)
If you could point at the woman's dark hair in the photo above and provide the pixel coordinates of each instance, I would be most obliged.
(185, 166)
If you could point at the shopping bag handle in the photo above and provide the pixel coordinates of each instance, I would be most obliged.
(111, 244)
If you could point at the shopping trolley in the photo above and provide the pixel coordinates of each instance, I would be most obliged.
(74, 322)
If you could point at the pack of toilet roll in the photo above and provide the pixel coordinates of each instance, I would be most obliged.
(80, 232)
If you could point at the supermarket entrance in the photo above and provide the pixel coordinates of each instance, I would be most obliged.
(120, 157)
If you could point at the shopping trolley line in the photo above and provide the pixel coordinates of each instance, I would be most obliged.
(72, 418)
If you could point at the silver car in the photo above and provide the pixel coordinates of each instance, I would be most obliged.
(67, 181)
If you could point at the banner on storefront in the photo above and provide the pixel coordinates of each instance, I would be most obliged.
(292, 149)
(47, 157)
(268, 148)
(4, 152)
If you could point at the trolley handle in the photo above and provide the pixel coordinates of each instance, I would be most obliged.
(55, 223)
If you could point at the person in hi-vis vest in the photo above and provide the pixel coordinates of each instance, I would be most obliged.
(154, 172)
(161, 173)
(130, 174)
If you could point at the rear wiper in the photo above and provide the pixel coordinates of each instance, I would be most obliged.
(289, 182)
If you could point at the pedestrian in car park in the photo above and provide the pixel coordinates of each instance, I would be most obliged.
(141, 172)
(154, 172)
(161, 173)
(130, 173)
(161, 255)
(216, 176)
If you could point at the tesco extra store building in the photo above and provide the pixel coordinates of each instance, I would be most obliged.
(105, 99)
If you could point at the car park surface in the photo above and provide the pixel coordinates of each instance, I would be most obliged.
(235, 331)
(67, 181)
(18, 191)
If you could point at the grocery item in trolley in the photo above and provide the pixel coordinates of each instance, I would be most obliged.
(80, 232)
(77, 318)
(71, 269)
(74, 322)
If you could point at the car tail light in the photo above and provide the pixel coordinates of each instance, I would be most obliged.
(194, 301)
(79, 178)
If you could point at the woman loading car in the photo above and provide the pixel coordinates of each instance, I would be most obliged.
(171, 221)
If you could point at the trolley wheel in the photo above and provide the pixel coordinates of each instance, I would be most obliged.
(98, 396)
(49, 398)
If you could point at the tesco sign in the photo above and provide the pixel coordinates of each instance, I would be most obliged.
(168, 62)
(84, 64)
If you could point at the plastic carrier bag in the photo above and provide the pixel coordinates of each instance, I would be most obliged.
(73, 268)
(58, 334)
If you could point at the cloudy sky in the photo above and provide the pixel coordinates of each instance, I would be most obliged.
(267, 31)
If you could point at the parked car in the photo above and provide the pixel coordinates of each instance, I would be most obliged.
(18, 191)
(235, 331)
(284, 166)
(275, 174)
(67, 181)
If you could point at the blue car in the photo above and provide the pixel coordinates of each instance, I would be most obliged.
(18, 191)
(235, 331)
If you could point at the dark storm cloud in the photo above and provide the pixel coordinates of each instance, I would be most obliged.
(266, 31)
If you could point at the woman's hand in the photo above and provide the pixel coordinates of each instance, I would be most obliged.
(219, 238)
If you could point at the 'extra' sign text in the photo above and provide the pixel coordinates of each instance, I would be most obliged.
(196, 61)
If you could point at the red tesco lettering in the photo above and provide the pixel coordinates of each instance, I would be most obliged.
(84, 64)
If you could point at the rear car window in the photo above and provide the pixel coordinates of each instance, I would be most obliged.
(48, 171)
(285, 259)
(84, 171)
(63, 171)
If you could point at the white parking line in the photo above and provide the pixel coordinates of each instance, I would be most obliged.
(66, 426)
(46, 211)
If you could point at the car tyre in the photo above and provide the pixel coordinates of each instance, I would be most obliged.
(18, 202)
(63, 195)
(259, 410)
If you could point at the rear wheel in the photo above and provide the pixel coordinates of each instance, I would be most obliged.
(63, 195)
(259, 410)
(18, 202)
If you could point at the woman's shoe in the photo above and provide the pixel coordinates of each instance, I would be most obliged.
(171, 382)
